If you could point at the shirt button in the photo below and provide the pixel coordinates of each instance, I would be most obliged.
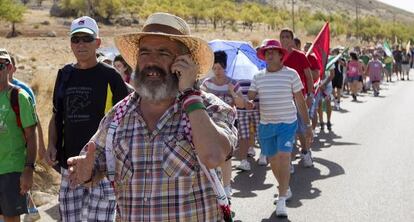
(145, 199)
(147, 171)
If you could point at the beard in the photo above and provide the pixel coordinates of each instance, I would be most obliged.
(165, 87)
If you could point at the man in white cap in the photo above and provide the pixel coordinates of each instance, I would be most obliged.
(17, 144)
(84, 92)
(158, 132)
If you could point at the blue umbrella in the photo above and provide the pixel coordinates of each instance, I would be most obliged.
(242, 61)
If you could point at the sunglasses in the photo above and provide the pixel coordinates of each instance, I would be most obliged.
(3, 65)
(84, 39)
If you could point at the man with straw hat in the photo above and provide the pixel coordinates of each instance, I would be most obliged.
(159, 142)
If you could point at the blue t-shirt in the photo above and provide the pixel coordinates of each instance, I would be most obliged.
(25, 87)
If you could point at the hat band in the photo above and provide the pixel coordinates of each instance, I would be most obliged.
(161, 28)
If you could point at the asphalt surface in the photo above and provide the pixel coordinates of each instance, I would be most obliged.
(363, 167)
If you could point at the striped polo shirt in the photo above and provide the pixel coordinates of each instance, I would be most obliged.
(275, 92)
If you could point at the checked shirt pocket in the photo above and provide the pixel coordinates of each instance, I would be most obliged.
(179, 159)
(123, 165)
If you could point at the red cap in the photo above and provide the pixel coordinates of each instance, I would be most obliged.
(270, 44)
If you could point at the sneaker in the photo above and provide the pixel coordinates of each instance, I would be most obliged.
(262, 160)
(329, 125)
(322, 126)
(307, 160)
(289, 195)
(281, 210)
(244, 165)
(314, 134)
(292, 168)
(251, 152)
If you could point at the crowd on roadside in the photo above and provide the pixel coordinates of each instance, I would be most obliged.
(149, 136)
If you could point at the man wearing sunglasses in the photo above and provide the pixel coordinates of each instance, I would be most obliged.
(17, 146)
(84, 92)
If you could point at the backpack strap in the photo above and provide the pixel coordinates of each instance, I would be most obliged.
(14, 102)
(62, 80)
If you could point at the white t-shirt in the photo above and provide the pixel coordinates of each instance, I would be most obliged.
(275, 92)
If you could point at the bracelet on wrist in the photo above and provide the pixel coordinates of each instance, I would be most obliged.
(87, 181)
(188, 92)
(194, 106)
(30, 165)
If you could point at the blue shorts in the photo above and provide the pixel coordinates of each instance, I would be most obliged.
(277, 137)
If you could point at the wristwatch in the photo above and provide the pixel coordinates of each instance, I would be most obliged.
(31, 165)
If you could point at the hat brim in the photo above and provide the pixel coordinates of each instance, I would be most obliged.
(6, 58)
(261, 51)
(83, 30)
(201, 53)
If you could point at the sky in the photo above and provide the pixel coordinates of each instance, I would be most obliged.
(404, 4)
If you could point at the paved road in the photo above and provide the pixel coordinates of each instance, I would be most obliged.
(363, 168)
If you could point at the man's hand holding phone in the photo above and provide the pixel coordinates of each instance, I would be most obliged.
(186, 70)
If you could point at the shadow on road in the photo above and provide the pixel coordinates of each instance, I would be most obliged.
(301, 181)
(274, 218)
(342, 110)
(253, 180)
(327, 139)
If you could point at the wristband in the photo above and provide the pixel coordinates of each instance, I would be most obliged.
(190, 99)
(194, 106)
(31, 165)
(87, 181)
(188, 92)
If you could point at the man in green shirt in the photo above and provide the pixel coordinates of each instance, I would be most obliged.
(17, 146)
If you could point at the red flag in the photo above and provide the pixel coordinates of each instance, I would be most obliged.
(321, 47)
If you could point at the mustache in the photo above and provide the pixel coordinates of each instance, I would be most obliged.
(153, 69)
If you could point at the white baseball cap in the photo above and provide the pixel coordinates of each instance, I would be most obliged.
(5, 55)
(84, 24)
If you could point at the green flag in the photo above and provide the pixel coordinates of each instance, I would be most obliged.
(332, 60)
(387, 49)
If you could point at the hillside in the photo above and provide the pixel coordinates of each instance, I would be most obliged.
(365, 7)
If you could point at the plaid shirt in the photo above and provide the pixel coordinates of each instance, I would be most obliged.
(158, 177)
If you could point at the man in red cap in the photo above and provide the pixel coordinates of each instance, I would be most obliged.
(274, 86)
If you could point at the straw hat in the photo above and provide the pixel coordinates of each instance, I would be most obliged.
(173, 27)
